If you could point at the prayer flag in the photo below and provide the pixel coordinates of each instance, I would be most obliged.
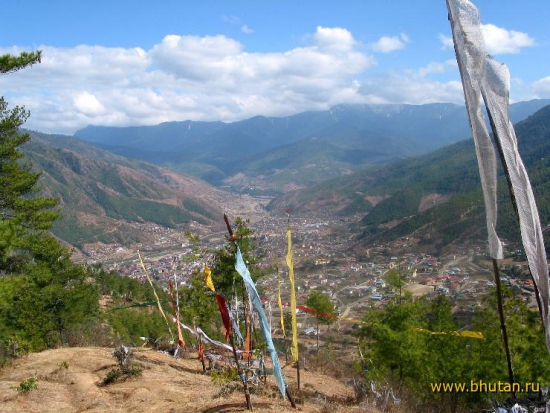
(224, 312)
(240, 266)
(208, 278)
(155, 293)
(280, 303)
(173, 295)
(289, 262)
(482, 74)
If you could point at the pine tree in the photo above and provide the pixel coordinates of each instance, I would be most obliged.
(22, 216)
(44, 297)
(226, 279)
(9, 63)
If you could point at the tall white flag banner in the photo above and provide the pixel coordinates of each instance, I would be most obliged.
(495, 90)
(470, 55)
(481, 74)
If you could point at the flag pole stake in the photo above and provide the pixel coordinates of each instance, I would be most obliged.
(503, 327)
(232, 341)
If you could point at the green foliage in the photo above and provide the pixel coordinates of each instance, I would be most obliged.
(322, 305)
(402, 204)
(198, 307)
(45, 302)
(397, 347)
(10, 63)
(76, 233)
(224, 377)
(397, 279)
(43, 295)
(30, 383)
(132, 323)
(128, 323)
(226, 279)
(530, 358)
(22, 216)
(133, 209)
(112, 376)
(89, 181)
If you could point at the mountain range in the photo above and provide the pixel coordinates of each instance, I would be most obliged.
(104, 197)
(436, 197)
(275, 155)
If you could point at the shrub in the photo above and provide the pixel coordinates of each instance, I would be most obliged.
(30, 383)
(126, 366)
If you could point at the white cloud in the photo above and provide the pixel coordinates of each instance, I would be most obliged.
(410, 87)
(237, 21)
(446, 42)
(501, 41)
(541, 88)
(231, 19)
(215, 78)
(185, 77)
(247, 30)
(437, 67)
(333, 39)
(497, 40)
(88, 104)
(388, 44)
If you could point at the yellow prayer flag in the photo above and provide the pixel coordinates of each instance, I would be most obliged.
(294, 344)
(465, 333)
(154, 292)
(208, 278)
(280, 302)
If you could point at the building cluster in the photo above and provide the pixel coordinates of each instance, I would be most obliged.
(354, 280)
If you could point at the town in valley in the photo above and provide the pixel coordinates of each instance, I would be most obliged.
(355, 279)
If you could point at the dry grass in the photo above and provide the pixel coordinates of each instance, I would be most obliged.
(70, 380)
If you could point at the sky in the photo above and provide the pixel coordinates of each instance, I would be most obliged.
(136, 62)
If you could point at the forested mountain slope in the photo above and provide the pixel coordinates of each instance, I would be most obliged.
(438, 192)
(101, 193)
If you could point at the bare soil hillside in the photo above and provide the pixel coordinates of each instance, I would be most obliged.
(71, 380)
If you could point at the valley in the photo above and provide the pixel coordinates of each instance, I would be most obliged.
(327, 259)
(422, 216)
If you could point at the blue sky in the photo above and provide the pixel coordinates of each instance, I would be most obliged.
(141, 62)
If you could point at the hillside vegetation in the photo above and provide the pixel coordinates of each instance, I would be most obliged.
(439, 193)
(99, 191)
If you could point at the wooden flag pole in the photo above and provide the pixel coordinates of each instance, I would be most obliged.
(232, 340)
(503, 327)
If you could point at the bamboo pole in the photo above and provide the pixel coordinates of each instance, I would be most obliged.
(298, 372)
